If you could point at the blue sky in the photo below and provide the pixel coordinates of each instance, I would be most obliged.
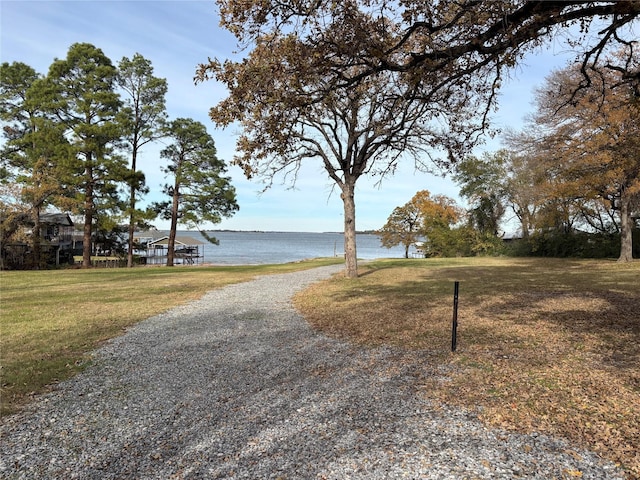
(178, 35)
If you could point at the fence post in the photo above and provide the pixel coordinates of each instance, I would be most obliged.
(454, 327)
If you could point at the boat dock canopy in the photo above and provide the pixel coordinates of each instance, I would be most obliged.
(188, 250)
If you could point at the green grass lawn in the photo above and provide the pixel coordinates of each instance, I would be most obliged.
(50, 320)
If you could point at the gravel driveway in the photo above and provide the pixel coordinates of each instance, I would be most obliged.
(236, 385)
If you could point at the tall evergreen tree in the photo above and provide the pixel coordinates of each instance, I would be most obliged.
(200, 192)
(80, 92)
(34, 144)
(143, 118)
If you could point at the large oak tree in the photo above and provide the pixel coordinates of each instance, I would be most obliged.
(435, 50)
(591, 136)
(361, 130)
(436, 43)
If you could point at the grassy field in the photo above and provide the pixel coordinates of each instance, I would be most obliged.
(543, 344)
(51, 320)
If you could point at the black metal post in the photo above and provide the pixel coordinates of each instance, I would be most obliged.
(454, 328)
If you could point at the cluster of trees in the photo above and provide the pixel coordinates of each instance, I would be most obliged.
(571, 177)
(72, 140)
(583, 149)
(361, 85)
(358, 85)
(436, 223)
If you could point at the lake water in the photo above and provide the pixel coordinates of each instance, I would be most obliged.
(249, 248)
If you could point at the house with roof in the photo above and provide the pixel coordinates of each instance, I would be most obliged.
(56, 242)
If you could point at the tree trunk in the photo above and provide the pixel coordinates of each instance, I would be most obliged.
(171, 247)
(37, 244)
(626, 229)
(130, 240)
(526, 225)
(88, 217)
(86, 236)
(132, 208)
(350, 254)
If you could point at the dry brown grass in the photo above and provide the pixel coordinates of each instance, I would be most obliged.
(543, 345)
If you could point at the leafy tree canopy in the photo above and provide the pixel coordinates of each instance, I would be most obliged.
(590, 138)
(421, 218)
(437, 44)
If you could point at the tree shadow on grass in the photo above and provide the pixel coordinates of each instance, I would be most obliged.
(608, 320)
(572, 295)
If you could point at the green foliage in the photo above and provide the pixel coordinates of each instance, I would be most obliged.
(470, 242)
(200, 192)
(143, 119)
(143, 115)
(484, 182)
(442, 242)
(203, 192)
(34, 142)
(480, 177)
(432, 218)
(35, 146)
(15, 79)
(80, 91)
(66, 134)
(463, 241)
(555, 243)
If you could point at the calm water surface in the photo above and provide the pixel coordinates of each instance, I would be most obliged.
(247, 248)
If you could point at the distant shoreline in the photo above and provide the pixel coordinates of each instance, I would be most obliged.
(359, 232)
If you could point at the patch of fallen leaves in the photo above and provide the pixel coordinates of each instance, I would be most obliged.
(548, 347)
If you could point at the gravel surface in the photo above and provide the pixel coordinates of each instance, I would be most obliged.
(236, 385)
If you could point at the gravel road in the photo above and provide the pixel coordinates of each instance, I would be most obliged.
(236, 385)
